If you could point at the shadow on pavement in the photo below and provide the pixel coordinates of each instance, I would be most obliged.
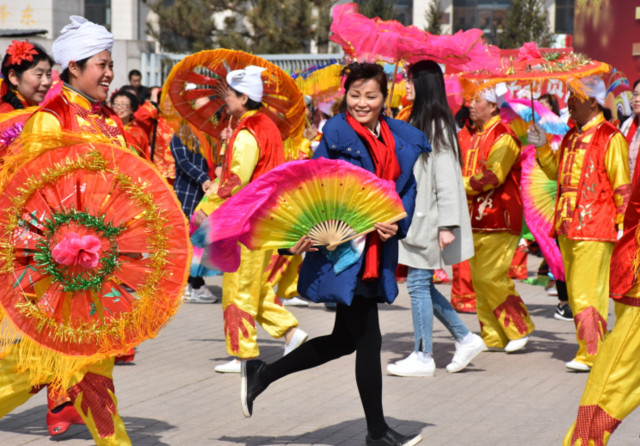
(146, 429)
(322, 437)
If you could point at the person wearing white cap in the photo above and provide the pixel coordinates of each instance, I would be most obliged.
(592, 171)
(83, 51)
(490, 154)
(254, 148)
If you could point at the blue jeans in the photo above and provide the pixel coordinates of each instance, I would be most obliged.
(425, 301)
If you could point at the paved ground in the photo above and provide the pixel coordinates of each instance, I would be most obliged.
(171, 396)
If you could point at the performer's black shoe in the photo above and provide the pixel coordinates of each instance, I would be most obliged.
(393, 438)
(250, 384)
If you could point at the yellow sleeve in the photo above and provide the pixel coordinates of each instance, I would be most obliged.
(616, 162)
(42, 122)
(504, 152)
(549, 161)
(244, 159)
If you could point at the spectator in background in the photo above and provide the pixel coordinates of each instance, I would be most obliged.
(125, 104)
(440, 227)
(135, 80)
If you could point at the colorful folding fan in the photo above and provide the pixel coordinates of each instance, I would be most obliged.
(331, 201)
(539, 202)
(94, 256)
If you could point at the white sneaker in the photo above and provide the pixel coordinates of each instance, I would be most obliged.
(416, 364)
(577, 366)
(517, 344)
(295, 302)
(465, 353)
(202, 296)
(187, 293)
(232, 366)
(298, 338)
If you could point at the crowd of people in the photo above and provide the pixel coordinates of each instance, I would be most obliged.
(459, 181)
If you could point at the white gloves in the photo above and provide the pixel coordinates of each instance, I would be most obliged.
(536, 136)
(620, 232)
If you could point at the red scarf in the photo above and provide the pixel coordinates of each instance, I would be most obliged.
(385, 162)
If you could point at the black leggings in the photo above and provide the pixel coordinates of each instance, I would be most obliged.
(356, 329)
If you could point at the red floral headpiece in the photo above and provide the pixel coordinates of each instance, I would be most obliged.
(19, 51)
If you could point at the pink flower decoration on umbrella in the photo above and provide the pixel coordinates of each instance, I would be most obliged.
(529, 51)
(76, 250)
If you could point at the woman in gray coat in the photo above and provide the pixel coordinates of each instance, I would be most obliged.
(440, 228)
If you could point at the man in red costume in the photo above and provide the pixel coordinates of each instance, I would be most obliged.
(611, 391)
(491, 172)
(255, 147)
(592, 170)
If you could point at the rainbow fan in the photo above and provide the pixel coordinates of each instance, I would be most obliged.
(539, 201)
(331, 201)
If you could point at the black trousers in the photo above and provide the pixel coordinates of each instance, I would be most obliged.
(356, 328)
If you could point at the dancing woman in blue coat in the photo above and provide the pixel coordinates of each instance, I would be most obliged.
(389, 148)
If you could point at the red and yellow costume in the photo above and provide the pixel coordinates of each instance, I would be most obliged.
(463, 296)
(137, 138)
(491, 172)
(150, 120)
(611, 392)
(254, 148)
(592, 171)
(91, 390)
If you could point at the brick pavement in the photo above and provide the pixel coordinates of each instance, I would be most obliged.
(171, 396)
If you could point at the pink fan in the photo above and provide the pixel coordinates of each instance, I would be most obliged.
(539, 199)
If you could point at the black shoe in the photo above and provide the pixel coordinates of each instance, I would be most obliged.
(563, 312)
(250, 384)
(393, 438)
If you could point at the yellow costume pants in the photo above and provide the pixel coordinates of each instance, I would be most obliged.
(613, 388)
(90, 390)
(248, 298)
(586, 267)
(502, 314)
(283, 273)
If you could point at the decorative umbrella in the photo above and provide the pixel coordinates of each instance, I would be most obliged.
(95, 252)
(207, 70)
(331, 201)
(533, 65)
(373, 40)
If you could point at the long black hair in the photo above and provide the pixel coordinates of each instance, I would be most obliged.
(19, 69)
(431, 112)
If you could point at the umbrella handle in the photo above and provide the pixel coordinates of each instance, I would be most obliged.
(533, 111)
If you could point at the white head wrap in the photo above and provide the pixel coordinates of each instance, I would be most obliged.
(80, 39)
(247, 81)
(594, 87)
(495, 94)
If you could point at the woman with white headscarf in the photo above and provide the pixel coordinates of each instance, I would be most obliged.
(83, 51)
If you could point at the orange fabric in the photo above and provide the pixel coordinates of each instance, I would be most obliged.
(137, 139)
(146, 117)
(595, 205)
(624, 261)
(518, 269)
(269, 142)
(505, 210)
(463, 296)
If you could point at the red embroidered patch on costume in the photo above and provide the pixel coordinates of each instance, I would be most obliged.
(96, 393)
(591, 327)
(591, 425)
(226, 190)
(488, 178)
(515, 311)
(234, 318)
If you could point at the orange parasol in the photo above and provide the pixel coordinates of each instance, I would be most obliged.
(203, 75)
(535, 65)
(95, 252)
